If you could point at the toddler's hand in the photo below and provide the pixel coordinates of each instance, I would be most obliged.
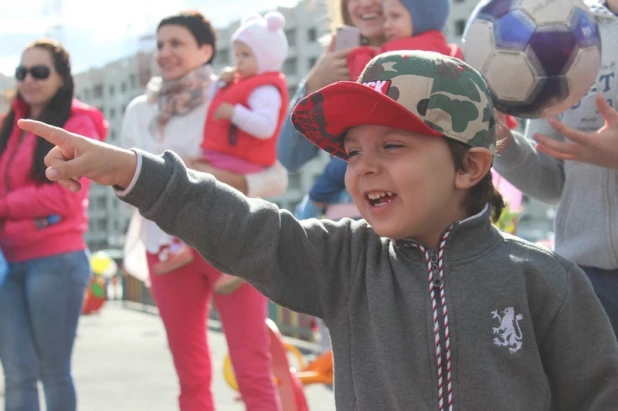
(224, 112)
(76, 156)
(227, 74)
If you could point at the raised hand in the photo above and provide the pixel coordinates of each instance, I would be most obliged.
(600, 148)
(332, 66)
(77, 156)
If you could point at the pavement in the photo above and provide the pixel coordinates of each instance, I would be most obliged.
(121, 362)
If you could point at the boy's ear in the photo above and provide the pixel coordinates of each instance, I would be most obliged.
(475, 165)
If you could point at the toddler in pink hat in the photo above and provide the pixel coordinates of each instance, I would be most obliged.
(249, 107)
(247, 111)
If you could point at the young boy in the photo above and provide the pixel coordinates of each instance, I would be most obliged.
(429, 306)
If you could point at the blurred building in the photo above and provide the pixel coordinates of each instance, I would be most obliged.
(110, 88)
(460, 12)
(7, 84)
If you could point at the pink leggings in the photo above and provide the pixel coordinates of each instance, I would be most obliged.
(183, 298)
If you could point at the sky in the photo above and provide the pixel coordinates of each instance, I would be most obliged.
(96, 32)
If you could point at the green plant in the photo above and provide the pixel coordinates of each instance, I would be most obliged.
(508, 220)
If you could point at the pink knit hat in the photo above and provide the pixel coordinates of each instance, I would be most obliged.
(265, 37)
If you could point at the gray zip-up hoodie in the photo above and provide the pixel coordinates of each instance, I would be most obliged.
(485, 321)
(586, 222)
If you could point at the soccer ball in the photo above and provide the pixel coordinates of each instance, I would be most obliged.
(538, 57)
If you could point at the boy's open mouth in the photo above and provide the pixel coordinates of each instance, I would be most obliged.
(380, 198)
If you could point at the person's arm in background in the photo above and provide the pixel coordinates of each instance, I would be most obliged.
(533, 173)
(328, 186)
(293, 149)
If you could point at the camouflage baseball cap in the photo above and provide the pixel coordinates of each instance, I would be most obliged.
(418, 91)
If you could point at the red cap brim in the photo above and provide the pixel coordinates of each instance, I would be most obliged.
(323, 117)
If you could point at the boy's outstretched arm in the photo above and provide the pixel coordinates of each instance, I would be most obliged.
(308, 267)
(580, 352)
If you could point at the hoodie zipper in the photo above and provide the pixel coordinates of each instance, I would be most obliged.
(435, 268)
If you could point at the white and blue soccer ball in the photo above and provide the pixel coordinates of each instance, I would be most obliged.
(538, 57)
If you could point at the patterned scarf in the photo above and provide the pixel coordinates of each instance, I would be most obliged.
(177, 97)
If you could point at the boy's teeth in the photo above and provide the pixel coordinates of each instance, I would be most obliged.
(376, 196)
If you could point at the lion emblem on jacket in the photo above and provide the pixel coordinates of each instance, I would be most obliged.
(509, 331)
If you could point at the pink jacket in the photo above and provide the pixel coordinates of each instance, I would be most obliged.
(23, 200)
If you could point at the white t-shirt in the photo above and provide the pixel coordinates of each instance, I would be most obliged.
(262, 117)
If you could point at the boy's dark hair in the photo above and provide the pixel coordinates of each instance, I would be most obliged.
(199, 26)
(56, 112)
(482, 193)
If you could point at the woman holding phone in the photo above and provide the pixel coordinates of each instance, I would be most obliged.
(367, 17)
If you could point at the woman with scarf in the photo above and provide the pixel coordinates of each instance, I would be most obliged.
(171, 116)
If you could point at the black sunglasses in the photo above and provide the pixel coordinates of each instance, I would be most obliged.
(39, 72)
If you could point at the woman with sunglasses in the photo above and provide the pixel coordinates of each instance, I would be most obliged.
(171, 116)
(42, 226)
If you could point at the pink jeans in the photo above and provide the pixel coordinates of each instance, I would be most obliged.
(183, 298)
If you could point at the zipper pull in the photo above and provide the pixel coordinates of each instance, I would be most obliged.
(433, 255)
(437, 281)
